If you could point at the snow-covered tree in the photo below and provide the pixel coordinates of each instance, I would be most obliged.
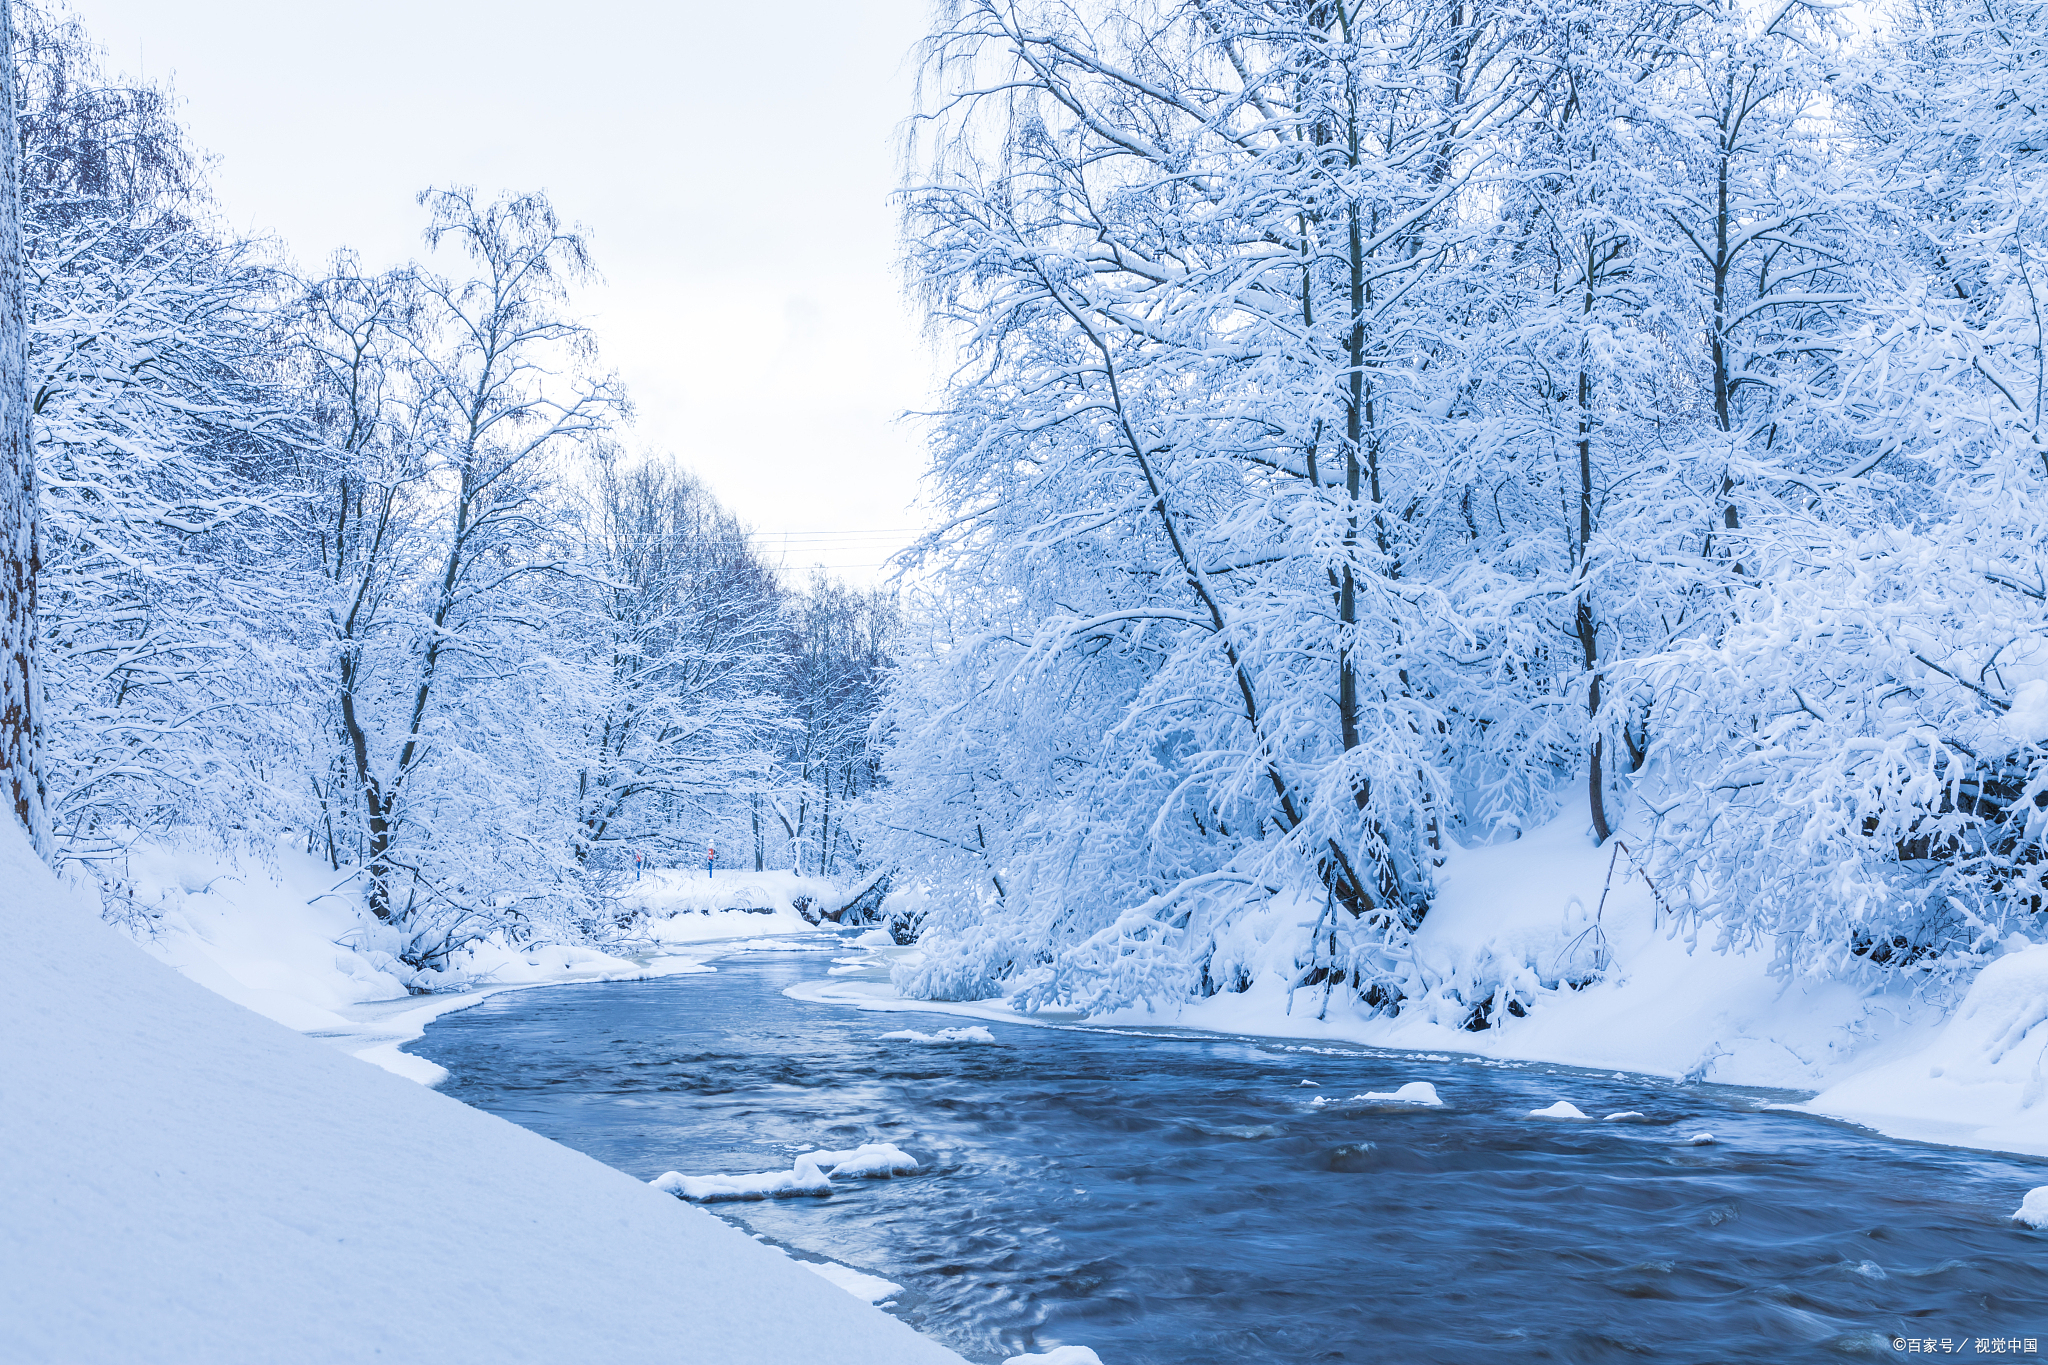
(835, 652)
(685, 647)
(442, 526)
(1212, 269)
(1855, 767)
(160, 423)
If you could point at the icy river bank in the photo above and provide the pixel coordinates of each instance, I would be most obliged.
(1194, 1198)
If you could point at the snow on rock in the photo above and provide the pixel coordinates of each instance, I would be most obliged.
(1059, 1355)
(871, 1159)
(810, 1176)
(186, 1182)
(1623, 1116)
(867, 1288)
(1982, 1082)
(1700, 1140)
(1415, 1092)
(2033, 1210)
(1563, 1109)
(806, 1178)
(973, 1033)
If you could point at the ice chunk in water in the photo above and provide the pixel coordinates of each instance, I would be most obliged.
(974, 1033)
(1563, 1109)
(1700, 1140)
(870, 1159)
(2033, 1210)
(1415, 1092)
(704, 1189)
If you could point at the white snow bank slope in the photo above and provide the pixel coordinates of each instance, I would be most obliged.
(185, 1181)
(1982, 1082)
(284, 937)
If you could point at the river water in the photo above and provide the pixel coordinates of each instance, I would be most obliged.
(1181, 1198)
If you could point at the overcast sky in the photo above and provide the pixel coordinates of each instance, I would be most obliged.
(732, 162)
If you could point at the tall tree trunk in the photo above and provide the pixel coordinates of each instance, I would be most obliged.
(760, 849)
(20, 532)
(1585, 625)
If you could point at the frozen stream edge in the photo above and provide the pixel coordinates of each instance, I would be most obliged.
(2005, 1007)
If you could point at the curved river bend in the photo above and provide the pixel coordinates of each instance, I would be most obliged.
(1177, 1199)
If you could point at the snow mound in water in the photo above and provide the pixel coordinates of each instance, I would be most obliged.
(1415, 1092)
(1563, 1109)
(868, 1159)
(705, 1189)
(1059, 1355)
(974, 1033)
(2033, 1210)
(810, 1176)
(1623, 1116)
(1985, 1074)
(1700, 1140)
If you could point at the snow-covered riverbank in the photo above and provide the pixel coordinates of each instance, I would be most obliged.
(189, 1182)
(282, 937)
(1958, 1062)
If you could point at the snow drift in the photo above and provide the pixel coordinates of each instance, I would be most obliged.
(1982, 1081)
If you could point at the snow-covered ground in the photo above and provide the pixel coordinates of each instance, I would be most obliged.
(1893, 1052)
(288, 937)
(186, 1181)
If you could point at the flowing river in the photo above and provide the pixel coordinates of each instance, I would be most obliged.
(1171, 1198)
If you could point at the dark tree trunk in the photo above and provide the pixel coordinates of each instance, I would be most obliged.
(20, 539)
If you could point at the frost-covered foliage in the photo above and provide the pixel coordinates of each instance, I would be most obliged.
(161, 433)
(1858, 766)
(1374, 422)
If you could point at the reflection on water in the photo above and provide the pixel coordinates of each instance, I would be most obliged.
(1183, 1199)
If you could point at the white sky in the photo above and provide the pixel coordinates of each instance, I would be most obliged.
(732, 162)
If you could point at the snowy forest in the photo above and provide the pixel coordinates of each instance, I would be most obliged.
(366, 561)
(1379, 428)
(1458, 700)
(1368, 432)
